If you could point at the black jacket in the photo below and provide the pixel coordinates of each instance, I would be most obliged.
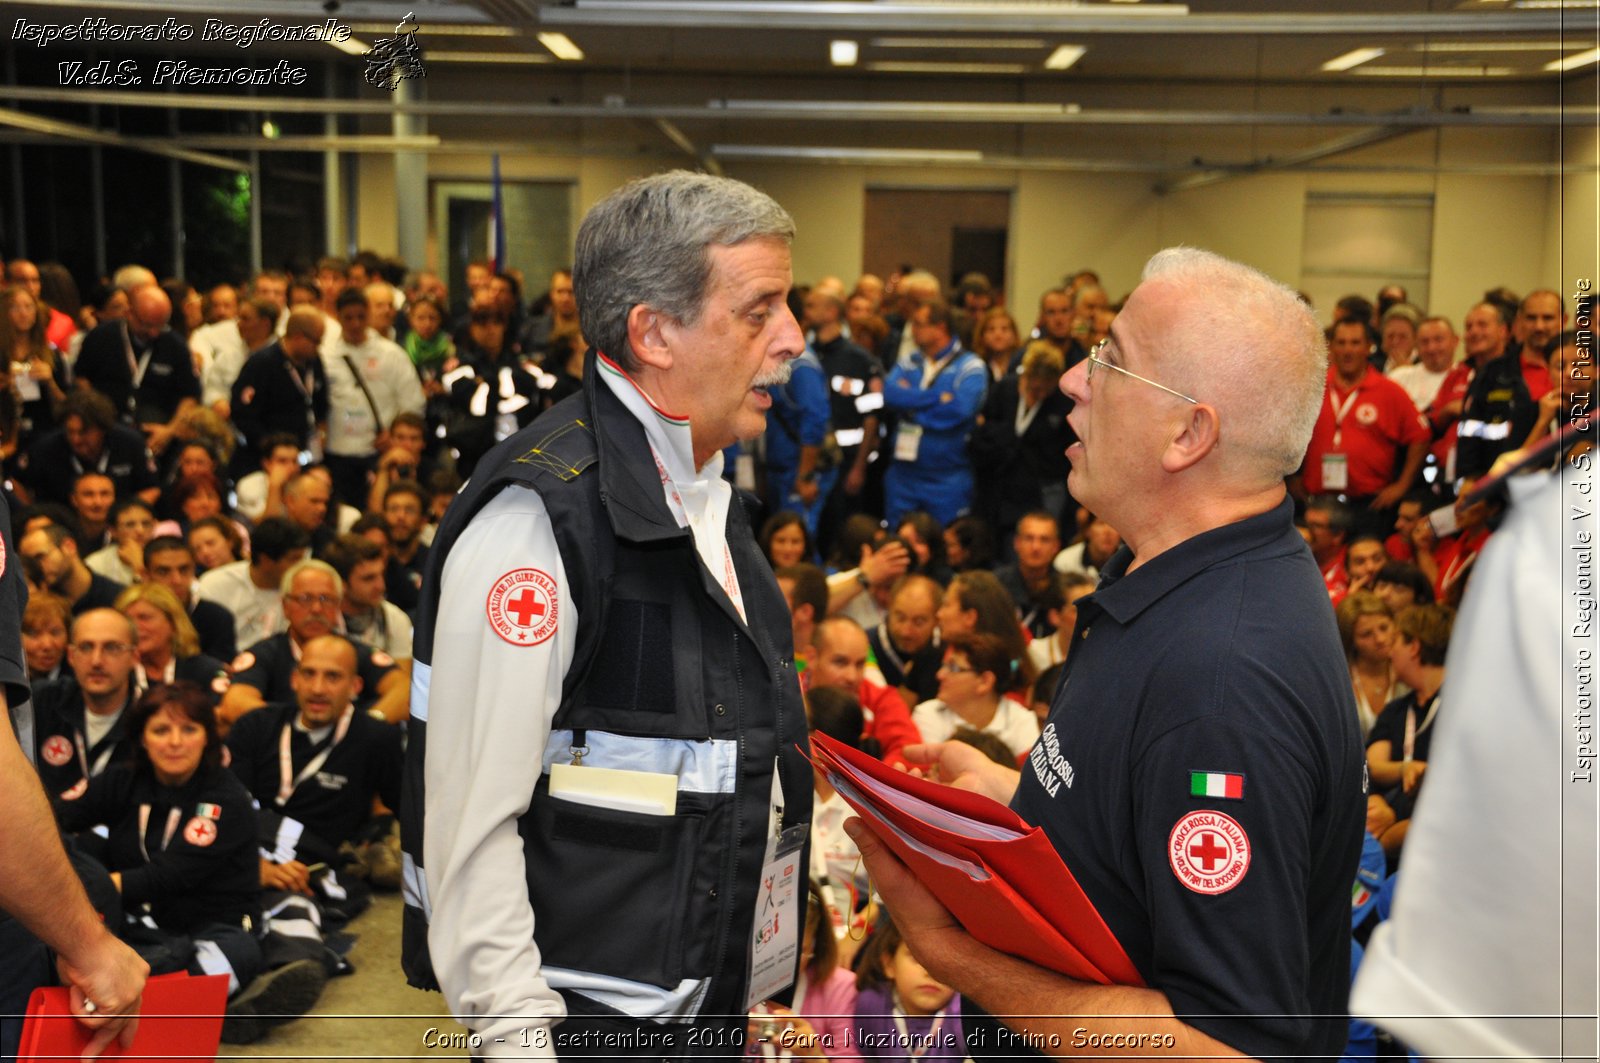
(683, 907)
(267, 397)
(207, 871)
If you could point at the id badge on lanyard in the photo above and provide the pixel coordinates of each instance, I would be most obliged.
(907, 441)
(780, 915)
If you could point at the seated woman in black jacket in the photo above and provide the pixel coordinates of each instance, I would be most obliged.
(182, 844)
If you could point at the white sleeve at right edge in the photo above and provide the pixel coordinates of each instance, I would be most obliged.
(489, 709)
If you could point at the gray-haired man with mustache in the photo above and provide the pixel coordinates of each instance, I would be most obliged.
(604, 708)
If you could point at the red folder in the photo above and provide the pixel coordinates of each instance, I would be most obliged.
(180, 1017)
(999, 876)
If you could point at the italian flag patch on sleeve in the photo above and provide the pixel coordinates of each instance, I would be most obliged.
(1216, 784)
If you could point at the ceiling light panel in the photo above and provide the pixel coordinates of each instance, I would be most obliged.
(1352, 59)
(843, 53)
(1064, 57)
(1573, 62)
(561, 46)
(894, 67)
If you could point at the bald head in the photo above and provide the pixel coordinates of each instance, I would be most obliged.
(149, 309)
(1266, 381)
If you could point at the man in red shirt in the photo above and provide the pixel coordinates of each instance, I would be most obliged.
(841, 661)
(1366, 429)
(1540, 318)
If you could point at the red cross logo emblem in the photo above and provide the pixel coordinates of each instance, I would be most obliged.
(524, 606)
(199, 831)
(56, 751)
(1209, 852)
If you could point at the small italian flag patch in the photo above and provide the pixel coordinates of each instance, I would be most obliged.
(208, 811)
(1216, 784)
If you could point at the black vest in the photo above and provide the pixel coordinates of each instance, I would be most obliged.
(650, 899)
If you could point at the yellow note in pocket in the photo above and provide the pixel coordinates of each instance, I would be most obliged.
(650, 792)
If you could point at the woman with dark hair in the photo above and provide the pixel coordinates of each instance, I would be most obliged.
(977, 602)
(181, 846)
(969, 544)
(215, 541)
(924, 535)
(784, 539)
(194, 498)
(188, 309)
(977, 669)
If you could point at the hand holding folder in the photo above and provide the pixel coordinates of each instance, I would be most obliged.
(999, 876)
(180, 1017)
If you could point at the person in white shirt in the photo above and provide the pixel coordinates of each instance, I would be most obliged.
(249, 589)
(369, 617)
(227, 345)
(370, 380)
(972, 682)
(1436, 354)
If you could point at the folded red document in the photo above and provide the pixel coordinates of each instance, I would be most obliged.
(999, 876)
(180, 1017)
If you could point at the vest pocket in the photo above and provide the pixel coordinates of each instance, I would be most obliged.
(611, 889)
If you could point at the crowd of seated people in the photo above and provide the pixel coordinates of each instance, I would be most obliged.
(223, 500)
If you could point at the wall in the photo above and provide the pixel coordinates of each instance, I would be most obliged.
(1488, 229)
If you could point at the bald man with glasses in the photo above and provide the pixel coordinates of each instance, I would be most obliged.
(1200, 773)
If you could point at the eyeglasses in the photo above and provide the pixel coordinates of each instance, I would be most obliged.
(956, 669)
(1095, 359)
(110, 649)
(311, 599)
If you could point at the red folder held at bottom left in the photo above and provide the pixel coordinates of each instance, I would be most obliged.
(180, 1017)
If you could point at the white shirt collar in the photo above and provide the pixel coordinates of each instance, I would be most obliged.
(667, 432)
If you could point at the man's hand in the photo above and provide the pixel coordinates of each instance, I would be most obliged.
(111, 975)
(1389, 497)
(1411, 775)
(885, 564)
(960, 765)
(157, 436)
(1380, 817)
(1423, 537)
(293, 876)
(806, 490)
(396, 457)
(855, 480)
(931, 932)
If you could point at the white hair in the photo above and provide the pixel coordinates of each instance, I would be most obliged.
(1250, 347)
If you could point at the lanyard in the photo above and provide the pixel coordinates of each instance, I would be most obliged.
(1413, 729)
(166, 836)
(931, 370)
(905, 1035)
(100, 463)
(1025, 415)
(1341, 411)
(286, 784)
(136, 366)
(83, 756)
(169, 673)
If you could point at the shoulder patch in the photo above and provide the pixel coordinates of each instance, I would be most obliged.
(243, 661)
(565, 453)
(523, 606)
(57, 750)
(200, 832)
(1209, 852)
(76, 791)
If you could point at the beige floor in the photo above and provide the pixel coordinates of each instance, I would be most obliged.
(370, 1015)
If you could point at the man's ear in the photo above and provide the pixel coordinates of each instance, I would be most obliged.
(1196, 436)
(647, 335)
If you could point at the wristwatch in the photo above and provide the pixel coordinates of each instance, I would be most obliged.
(861, 578)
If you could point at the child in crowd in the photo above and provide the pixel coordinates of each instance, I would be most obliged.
(902, 1012)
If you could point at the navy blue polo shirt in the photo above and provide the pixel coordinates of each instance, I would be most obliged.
(1201, 774)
